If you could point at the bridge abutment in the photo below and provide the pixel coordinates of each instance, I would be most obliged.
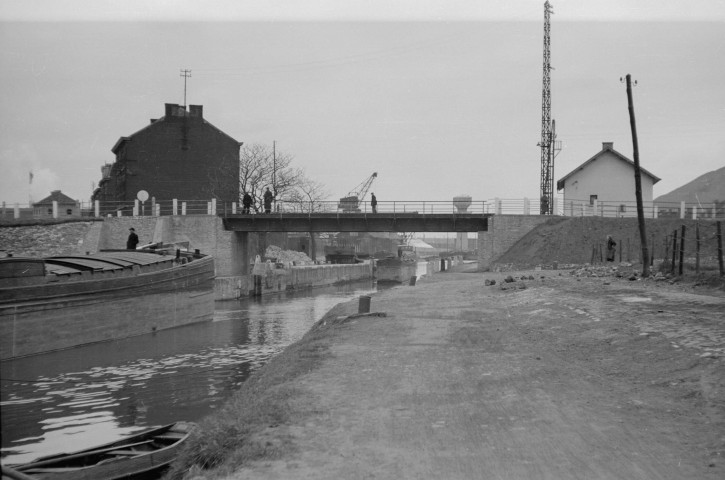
(503, 232)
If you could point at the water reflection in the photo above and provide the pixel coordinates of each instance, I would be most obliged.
(84, 396)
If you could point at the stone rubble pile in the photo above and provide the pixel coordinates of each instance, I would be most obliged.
(287, 256)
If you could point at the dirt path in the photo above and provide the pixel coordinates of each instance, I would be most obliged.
(564, 379)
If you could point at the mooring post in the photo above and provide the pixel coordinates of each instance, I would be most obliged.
(364, 304)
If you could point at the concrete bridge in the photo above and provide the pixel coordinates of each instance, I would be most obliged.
(358, 222)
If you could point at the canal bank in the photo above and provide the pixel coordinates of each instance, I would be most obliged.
(554, 376)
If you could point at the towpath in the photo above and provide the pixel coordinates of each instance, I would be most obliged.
(552, 378)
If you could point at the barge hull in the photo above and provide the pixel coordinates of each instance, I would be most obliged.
(106, 310)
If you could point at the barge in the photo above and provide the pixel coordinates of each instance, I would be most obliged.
(62, 302)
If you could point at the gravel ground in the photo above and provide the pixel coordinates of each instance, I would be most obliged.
(558, 377)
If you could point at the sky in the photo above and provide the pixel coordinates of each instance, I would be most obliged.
(440, 98)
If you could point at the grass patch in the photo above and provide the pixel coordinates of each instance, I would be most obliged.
(241, 430)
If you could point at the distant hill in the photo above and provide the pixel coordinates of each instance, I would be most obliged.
(706, 188)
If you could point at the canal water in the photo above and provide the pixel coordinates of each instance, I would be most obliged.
(77, 398)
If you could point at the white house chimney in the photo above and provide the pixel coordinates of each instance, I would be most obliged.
(607, 145)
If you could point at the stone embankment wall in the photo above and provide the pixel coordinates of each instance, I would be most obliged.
(203, 232)
(71, 238)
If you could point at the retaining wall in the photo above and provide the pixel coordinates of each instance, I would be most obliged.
(503, 232)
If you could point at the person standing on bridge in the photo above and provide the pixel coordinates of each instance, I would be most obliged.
(268, 196)
(246, 203)
(374, 203)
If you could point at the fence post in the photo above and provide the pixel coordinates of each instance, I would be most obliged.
(234, 208)
(498, 205)
(213, 206)
(556, 207)
(666, 248)
(674, 251)
(16, 211)
(135, 208)
(697, 248)
(527, 210)
(652, 254)
(183, 208)
(655, 212)
(158, 210)
(55, 208)
(694, 212)
(682, 210)
(97, 208)
(682, 249)
(621, 247)
(174, 206)
(719, 249)
(629, 251)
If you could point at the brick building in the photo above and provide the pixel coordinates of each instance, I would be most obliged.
(179, 155)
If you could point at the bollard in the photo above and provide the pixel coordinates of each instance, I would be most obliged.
(412, 280)
(364, 304)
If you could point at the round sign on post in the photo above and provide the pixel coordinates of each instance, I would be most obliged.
(142, 195)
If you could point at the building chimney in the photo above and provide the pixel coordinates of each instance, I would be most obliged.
(196, 111)
(607, 145)
(174, 110)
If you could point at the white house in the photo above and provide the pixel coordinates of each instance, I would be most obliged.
(604, 185)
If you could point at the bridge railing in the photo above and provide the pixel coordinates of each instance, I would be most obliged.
(495, 206)
(395, 206)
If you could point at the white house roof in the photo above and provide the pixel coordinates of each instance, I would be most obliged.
(606, 147)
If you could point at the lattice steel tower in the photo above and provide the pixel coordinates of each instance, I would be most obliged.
(547, 132)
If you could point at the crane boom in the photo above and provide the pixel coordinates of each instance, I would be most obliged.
(351, 202)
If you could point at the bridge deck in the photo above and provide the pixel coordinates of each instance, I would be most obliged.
(357, 222)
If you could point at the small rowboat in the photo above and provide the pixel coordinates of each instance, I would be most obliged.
(133, 456)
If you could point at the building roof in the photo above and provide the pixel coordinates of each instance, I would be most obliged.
(169, 108)
(56, 196)
(606, 147)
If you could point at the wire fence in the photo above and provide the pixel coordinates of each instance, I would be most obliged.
(695, 248)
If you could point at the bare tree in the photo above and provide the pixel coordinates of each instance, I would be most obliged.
(260, 167)
(308, 196)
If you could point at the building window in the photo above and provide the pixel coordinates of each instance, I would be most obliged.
(50, 211)
(69, 211)
(592, 199)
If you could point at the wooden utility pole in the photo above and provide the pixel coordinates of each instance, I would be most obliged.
(637, 180)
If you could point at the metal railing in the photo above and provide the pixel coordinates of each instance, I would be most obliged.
(495, 206)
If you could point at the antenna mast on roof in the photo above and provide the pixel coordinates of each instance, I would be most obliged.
(186, 74)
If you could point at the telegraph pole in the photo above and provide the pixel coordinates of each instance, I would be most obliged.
(186, 74)
(637, 180)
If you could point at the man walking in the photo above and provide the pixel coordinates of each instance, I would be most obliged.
(374, 203)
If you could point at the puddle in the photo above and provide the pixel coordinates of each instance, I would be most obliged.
(636, 299)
